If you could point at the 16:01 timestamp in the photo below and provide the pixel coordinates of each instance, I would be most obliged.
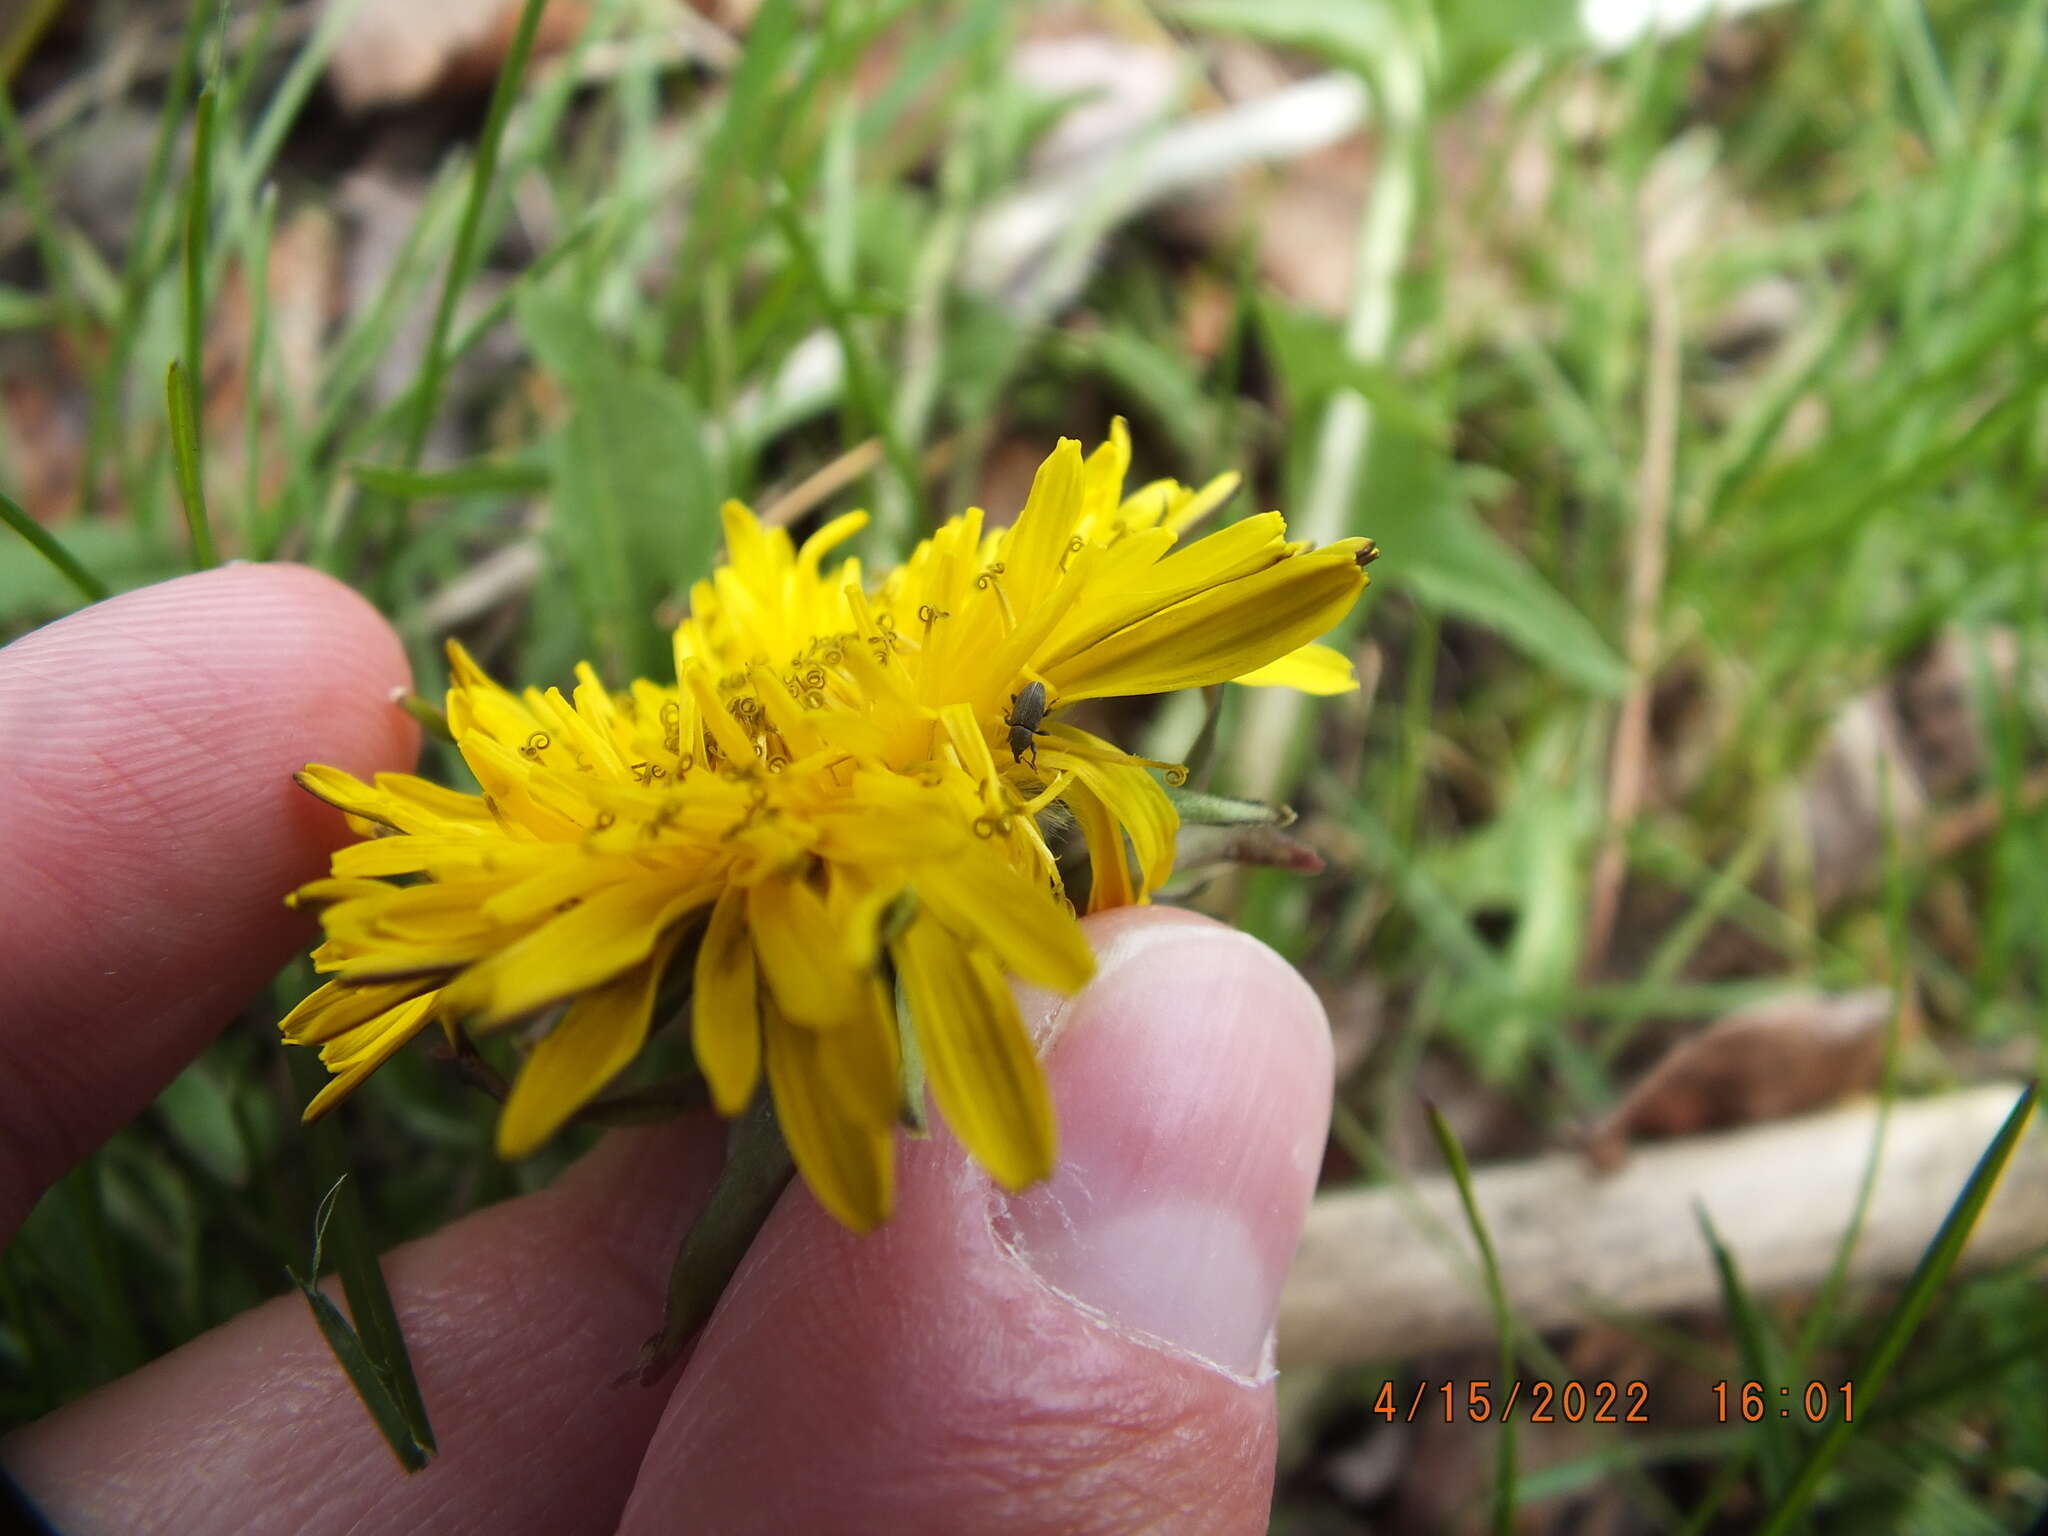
(1752, 1401)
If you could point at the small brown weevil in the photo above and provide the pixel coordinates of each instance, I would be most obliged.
(1027, 709)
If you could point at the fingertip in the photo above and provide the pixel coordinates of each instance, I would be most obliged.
(1091, 1356)
(1192, 1080)
(148, 744)
(176, 714)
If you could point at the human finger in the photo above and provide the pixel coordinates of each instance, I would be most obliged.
(147, 745)
(1093, 1356)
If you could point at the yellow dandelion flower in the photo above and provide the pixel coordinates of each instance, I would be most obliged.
(842, 788)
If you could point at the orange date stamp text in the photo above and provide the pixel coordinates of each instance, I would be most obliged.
(1479, 1401)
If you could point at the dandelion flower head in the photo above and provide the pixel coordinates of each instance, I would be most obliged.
(839, 804)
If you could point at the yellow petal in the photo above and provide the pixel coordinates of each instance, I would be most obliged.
(966, 735)
(447, 913)
(862, 1060)
(1190, 507)
(1102, 476)
(1230, 554)
(595, 1041)
(477, 705)
(1110, 883)
(751, 550)
(345, 792)
(1132, 796)
(1031, 930)
(984, 1073)
(1036, 543)
(509, 783)
(1219, 634)
(733, 743)
(315, 894)
(425, 806)
(828, 538)
(858, 899)
(334, 1008)
(800, 951)
(889, 817)
(725, 1010)
(849, 1167)
(373, 1045)
(1317, 669)
(582, 948)
(401, 854)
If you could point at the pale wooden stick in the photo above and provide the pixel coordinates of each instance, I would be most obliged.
(1392, 1272)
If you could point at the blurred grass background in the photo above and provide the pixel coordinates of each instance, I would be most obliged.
(1691, 382)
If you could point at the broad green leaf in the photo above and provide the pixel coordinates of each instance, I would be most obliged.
(482, 477)
(1353, 34)
(1436, 545)
(118, 554)
(1313, 363)
(201, 1115)
(635, 515)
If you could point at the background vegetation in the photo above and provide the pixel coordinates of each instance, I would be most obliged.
(1692, 387)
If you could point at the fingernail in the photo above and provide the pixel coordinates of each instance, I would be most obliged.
(1192, 1084)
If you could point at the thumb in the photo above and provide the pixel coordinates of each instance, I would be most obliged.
(1092, 1356)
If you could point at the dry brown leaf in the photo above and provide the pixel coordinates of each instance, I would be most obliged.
(1261, 847)
(397, 51)
(1938, 701)
(42, 424)
(1783, 1056)
(1305, 216)
(1861, 781)
(1007, 471)
(1357, 1009)
(1208, 311)
(1118, 87)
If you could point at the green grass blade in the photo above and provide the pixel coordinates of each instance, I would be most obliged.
(51, 548)
(1911, 1308)
(184, 418)
(433, 366)
(861, 383)
(487, 319)
(1503, 1319)
(259, 153)
(198, 192)
(363, 1372)
(1759, 1357)
(42, 216)
(257, 541)
(148, 249)
(181, 384)
(21, 310)
(355, 1262)
(31, 22)
(757, 1170)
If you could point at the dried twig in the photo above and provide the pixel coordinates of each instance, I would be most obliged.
(1390, 1272)
(1628, 765)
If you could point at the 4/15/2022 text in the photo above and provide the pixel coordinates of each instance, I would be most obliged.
(1478, 1401)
